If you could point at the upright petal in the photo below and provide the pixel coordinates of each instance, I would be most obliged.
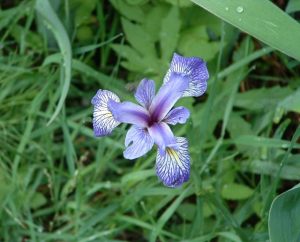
(138, 142)
(128, 112)
(173, 168)
(103, 120)
(145, 92)
(196, 71)
(177, 115)
(162, 136)
(167, 96)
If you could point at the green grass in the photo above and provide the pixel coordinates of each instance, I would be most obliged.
(60, 183)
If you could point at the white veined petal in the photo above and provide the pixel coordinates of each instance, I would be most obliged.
(196, 71)
(177, 115)
(173, 168)
(103, 120)
(145, 92)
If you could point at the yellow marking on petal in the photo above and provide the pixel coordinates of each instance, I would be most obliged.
(104, 112)
(173, 154)
(109, 114)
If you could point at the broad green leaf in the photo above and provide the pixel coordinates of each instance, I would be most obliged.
(193, 17)
(44, 8)
(83, 13)
(187, 211)
(153, 19)
(131, 12)
(284, 219)
(274, 27)
(138, 38)
(133, 59)
(236, 191)
(266, 98)
(195, 42)
(238, 126)
(169, 33)
(135, 62)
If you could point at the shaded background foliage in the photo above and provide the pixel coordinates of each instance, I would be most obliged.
(60, 183)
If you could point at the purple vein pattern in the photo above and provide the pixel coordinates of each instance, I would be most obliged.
(186, 77)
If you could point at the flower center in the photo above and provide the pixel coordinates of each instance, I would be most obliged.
(152, 120)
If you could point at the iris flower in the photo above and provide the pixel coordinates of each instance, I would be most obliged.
(150, 120)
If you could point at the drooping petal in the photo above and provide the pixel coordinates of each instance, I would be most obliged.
(173, 168)
(128, 112)
(138, 142)
(167, 96)
(103, 120)
(177, 115)
(162, 136)
(145, 92)
(196, 71)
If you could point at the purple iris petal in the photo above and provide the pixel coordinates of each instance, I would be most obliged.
(162, 136)
(127, 112)
(145, 92)
(196, 71)
(103, 120)
(173, 168)
(177, 115)
(167, 96)
(138, 142)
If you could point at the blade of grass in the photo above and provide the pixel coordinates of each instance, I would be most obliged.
(275, 184)
(88, 48)
(257, 141)
(29, 127)
(245, 61)
(52, 21)
(168, 213)
(104, 80)
(69, 146)
(140, 223)
(230, 219)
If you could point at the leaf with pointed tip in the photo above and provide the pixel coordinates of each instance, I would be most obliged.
(274, 27)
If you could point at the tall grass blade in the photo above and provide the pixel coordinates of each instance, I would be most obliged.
(52, 21)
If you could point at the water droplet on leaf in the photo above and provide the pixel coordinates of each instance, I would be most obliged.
(240, 9)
